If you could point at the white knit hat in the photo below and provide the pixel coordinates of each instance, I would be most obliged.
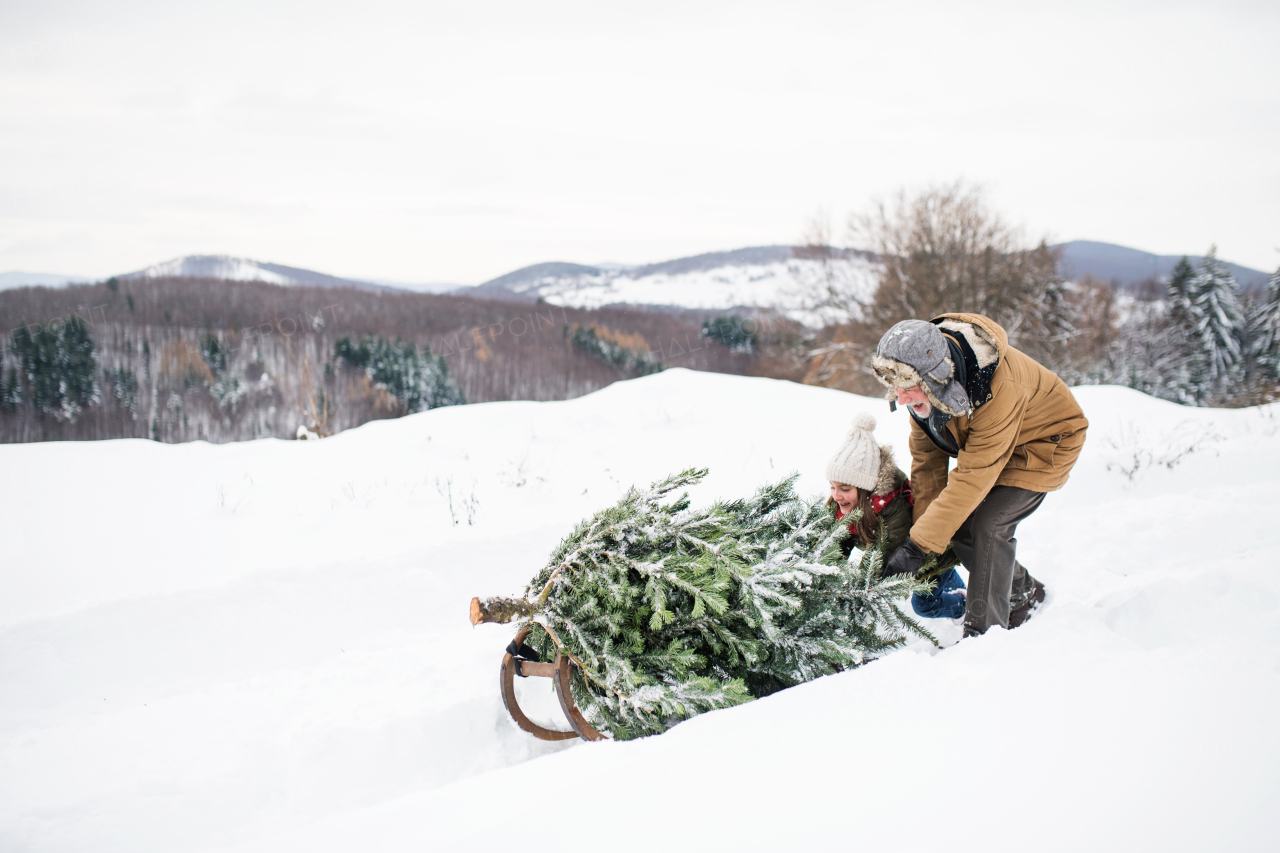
(857, 462)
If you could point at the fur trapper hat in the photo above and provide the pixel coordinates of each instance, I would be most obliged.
(915, 353)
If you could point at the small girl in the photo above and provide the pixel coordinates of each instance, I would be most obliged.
(864, 476)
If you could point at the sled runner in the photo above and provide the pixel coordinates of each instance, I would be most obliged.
(523, 661)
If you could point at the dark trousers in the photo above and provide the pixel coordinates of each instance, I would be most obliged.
(985, 544)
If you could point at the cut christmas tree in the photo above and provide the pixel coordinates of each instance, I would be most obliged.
(667, 611)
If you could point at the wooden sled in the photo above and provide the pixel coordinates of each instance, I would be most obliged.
(560, 673)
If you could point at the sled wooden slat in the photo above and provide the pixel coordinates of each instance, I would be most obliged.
(561, 674)
(507, 684)
(534, 669)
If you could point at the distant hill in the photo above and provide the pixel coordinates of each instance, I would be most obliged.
(38, 279)
(755, 277)
(229, 268)
(1127, 267)
(419, 286)
(751, 256)
(525, 280)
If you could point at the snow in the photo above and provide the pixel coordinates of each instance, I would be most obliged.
(787, 286)
(263, 646)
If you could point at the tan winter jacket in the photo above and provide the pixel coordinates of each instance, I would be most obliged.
(1028, 435)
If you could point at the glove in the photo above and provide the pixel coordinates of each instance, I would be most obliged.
(905, 561)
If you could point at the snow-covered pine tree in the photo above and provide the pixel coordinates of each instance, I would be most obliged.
(10, 386)
(1221, 322)
(1264, 334)
(1148, 355)
(419, 381)
(668, 611)
(59, 366)
(1182, 309)
(1179, 348)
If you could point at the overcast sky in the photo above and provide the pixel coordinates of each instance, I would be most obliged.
(431, 141)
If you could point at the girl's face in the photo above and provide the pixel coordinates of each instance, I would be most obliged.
(845, 495)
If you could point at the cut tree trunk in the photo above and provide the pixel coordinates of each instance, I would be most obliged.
(499, 609)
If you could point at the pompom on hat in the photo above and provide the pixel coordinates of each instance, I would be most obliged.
(857, 462)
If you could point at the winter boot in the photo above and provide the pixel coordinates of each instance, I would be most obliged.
(1027, 606)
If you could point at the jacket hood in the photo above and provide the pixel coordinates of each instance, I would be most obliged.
(992, 330)
(888, 477)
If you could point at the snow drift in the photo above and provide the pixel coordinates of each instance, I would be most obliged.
(264, 646)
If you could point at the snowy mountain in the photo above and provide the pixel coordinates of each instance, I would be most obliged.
(758, 277)
(278, 659)
(242, 269)
(775, 277)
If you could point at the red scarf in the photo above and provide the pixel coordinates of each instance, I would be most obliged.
(879, 502)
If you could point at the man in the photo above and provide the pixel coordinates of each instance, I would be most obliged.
(1013, 428)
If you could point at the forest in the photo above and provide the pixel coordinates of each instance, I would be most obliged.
(185, 359)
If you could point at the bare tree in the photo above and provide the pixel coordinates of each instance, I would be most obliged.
(1096, 319)
(943, 250)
